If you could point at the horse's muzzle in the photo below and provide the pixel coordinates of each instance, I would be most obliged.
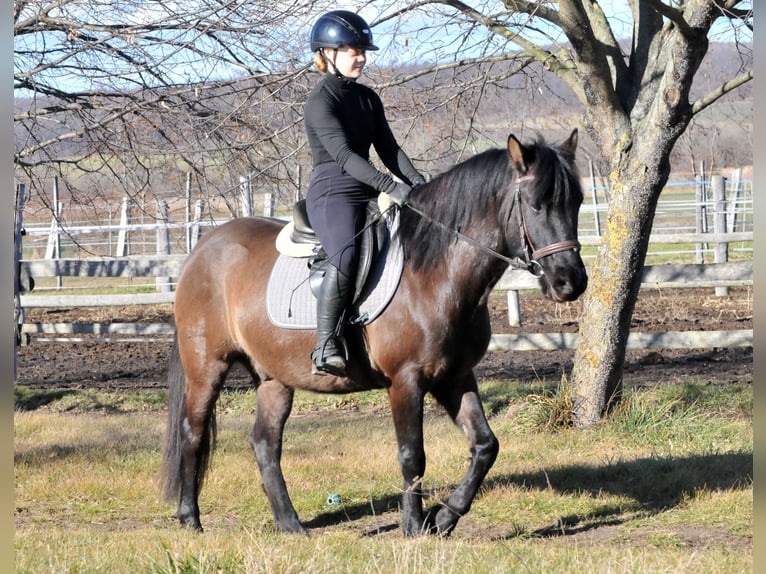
(564, 283)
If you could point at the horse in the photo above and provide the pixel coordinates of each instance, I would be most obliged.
(459, 232)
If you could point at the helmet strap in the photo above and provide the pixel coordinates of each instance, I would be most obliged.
(333, 67)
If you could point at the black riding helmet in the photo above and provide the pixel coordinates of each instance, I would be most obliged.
(341, 28)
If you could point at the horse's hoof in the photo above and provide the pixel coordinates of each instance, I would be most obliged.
(443, 521)
(293, 528)
(190, 522)
(197, 527)
(413, 528)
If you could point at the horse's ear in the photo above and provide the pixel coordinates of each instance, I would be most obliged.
(571, 141)
(520, 156)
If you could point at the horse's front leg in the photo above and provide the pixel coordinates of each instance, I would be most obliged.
(275, 401)
(407, 410)
(463, 404)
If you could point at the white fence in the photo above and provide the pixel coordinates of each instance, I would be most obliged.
(709, 224)
(164, 225)
(712, 275)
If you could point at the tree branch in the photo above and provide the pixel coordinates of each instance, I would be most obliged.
(722, 90)
(560, 64)
(675, 16)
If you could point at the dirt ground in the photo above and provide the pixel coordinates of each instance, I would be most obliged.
(142, 365)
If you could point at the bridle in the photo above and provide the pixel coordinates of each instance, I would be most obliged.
(532, 255)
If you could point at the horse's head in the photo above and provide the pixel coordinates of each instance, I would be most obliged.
(546, 204)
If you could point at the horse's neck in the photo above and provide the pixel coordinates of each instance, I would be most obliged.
(473, 274)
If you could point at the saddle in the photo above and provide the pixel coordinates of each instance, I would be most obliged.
(298, 239)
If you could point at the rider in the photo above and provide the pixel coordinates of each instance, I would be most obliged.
(343, 119)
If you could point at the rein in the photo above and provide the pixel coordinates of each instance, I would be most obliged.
(531, 255)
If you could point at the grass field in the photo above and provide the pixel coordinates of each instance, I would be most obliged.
(664, 486)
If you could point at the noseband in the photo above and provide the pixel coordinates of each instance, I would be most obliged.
(532, 255)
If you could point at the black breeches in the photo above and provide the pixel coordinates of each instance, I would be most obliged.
(336, 204)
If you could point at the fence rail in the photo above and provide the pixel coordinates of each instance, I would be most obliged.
(659, 276)
(708, 219)
(636, 340)
(731, 274)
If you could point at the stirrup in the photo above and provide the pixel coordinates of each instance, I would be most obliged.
(333, 363)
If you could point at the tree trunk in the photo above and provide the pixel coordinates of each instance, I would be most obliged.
(659, 114)
(613, 288)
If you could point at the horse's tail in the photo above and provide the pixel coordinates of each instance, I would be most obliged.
(174, 437)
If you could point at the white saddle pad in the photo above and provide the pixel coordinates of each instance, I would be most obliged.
(291, 303)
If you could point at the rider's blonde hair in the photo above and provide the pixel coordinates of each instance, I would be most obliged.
(320, 62)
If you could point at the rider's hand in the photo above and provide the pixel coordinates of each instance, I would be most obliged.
(399, 194)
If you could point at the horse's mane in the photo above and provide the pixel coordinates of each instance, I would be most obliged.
(477, 189)
(453, 198)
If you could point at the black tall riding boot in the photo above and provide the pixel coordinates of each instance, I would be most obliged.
(329, 356)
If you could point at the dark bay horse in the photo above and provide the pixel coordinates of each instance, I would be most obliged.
(517, 205)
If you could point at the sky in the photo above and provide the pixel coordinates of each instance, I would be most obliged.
(419, 38)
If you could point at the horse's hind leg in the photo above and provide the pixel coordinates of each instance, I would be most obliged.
(274, 403)
(197, 429)
(463, 404)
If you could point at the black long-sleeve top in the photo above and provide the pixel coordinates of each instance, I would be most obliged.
(343, 119)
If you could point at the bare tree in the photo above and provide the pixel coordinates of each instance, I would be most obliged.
(137, 93)
(149, 90)
(637, 103)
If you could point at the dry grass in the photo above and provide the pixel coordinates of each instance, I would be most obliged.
(665, 486)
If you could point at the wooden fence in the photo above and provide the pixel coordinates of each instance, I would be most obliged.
(164, 267)
(711, 275)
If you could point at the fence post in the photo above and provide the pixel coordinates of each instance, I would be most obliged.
(199, 210)
(18, 310)
(246, 196)
(736, 183)
(268, 204)
(53, 247)
(187, 215)
(163, 244)
(123, 238)
(720, 250)
(700, 221)
(514, 308)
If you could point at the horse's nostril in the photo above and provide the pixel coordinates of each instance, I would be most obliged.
(564, 287)
(569, 288)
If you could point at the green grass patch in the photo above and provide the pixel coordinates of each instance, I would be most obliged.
(664, 484)
(88, 400)
(94, 285)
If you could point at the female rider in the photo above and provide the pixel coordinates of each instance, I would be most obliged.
(343, 119)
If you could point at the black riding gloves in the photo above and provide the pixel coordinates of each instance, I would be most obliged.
(418, 181)
(399, 194)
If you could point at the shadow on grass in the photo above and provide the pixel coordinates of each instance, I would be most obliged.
(32, 400)
(351, 512)
(87, 401)
(656, 484)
